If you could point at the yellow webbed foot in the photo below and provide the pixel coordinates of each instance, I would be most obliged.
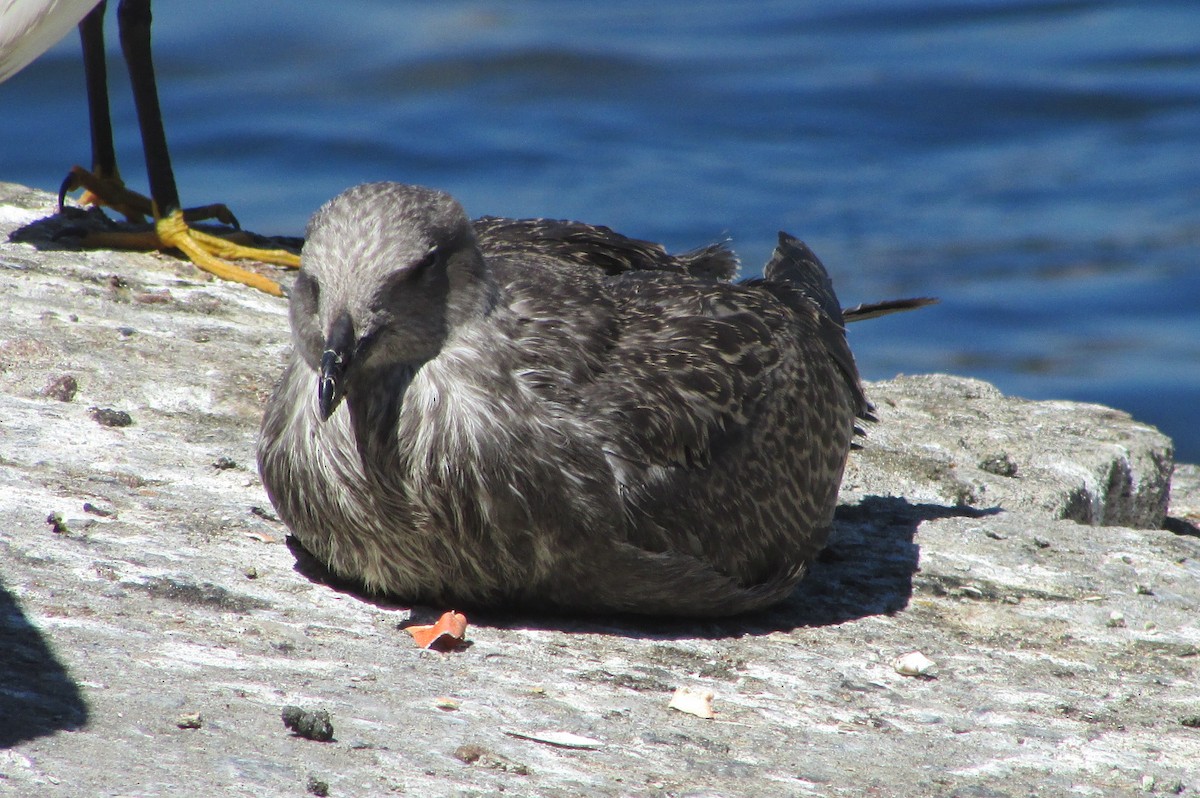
(210, 252)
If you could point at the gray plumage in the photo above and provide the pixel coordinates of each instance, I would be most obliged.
(551, 415)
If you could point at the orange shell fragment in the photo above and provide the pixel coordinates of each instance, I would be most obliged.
(446, 633)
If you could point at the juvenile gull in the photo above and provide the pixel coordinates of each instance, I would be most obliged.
(551, 415)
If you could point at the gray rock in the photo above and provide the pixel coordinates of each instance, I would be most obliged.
(960, 441)
(1066, 655)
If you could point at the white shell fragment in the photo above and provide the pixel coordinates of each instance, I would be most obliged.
(693, 702)
(913, 663)
(558, 738)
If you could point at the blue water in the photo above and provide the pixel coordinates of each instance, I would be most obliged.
(1035, 164)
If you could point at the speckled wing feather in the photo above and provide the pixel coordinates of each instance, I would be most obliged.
(673, 364)
(724, 406)
(873, 310)
(795, 265)
(597, 247)
(687, 368)
(798, 278)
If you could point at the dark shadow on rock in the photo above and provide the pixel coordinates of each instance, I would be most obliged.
(866, 569)
(65, 230)
(37, 695)
(1180, 526)
(314, 570)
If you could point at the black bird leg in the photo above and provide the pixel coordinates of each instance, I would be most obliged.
(104, 185)
(133, 24)
(95, 72)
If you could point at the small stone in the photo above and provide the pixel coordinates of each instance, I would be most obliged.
(317, 786)
(103, 512)
(57, 525)
(224, 463)
(693, 702)
(190, 720)
(913, 664)
(1191, 721)
(310, 725)
(469, 753)
(251, 572)
(107, 417)
(63, 388)
(1116, 619)
(999, 464)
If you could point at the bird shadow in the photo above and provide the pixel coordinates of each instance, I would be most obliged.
(866, 569)
(66, 230)
(38, 697)
(1181, 527)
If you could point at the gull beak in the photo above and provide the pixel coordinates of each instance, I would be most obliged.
(339, 347)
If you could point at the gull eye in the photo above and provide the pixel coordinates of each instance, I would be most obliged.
(419, 269)
(413, 278)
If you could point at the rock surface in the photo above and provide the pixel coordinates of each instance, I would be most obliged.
(960, 441)
(154, 624)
